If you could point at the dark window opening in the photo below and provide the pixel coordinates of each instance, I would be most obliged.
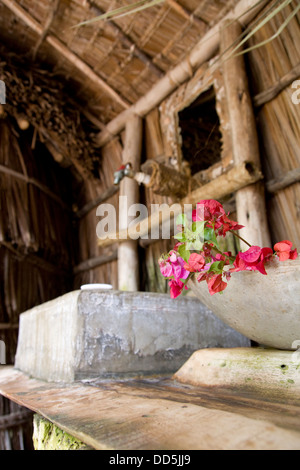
(200, 131)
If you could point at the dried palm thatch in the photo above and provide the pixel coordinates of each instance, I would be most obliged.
(112, 63)
(36, 242)
(30, 201)
(37, 97)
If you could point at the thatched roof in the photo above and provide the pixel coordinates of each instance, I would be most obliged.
(109, 65)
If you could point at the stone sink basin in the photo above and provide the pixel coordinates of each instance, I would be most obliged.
(265, 309)
(88, 334)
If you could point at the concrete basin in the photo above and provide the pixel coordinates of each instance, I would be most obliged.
(88, 334)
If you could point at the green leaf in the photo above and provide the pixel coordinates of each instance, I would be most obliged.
(198, 227)
(217, 267)
(210, 236)
(195, 245)
(184, 252)
(181, 237)
(182, 220)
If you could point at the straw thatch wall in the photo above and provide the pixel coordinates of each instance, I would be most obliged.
(271, 68)
(36, 247)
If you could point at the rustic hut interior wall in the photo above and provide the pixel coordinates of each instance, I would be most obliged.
(65, 85)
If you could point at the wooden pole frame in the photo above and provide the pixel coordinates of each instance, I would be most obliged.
(205, 50)
(234, 179)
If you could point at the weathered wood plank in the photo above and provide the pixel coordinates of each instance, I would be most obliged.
(124, 416)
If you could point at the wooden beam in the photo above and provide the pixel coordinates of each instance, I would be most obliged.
(207, 47)
(95, 202)
(250, 201)
(93, 263)
(47, 27)
(271, 93)
(65, 52)
(15, 419)
(287, 179)
(9, 326)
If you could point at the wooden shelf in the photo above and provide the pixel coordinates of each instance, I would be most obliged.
(158, 413)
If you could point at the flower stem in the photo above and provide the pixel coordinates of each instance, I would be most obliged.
(238, 236)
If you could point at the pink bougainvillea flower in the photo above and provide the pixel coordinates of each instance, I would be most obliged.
(176, 287)
(216, 284)
(165, 268)
(284, 250)
(195, 263)
(179, 272)
(252, 260)
(173, 266)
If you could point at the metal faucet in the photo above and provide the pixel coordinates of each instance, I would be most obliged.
(125, 170)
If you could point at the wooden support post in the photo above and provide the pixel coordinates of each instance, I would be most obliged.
(128, 260)
(250, 201)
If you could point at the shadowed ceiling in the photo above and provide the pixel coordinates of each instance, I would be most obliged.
(107, 65)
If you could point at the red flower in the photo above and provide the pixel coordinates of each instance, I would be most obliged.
(284, 250)
(224, 224)
(212, 211)
(207, 209)
(252, 260)
(195, 263)
(216, 284)
(176, 287)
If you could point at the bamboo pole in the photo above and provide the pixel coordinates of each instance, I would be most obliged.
(250, 201)
(128, 259)
(95, 262)
(201, 53)
(272, 92)
(88, 207)
(236, 178)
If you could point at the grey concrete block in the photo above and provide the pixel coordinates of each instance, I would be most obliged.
(89, 334)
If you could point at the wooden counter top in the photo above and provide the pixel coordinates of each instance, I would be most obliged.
(158, 413)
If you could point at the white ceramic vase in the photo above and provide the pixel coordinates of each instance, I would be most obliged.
(265, 309)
